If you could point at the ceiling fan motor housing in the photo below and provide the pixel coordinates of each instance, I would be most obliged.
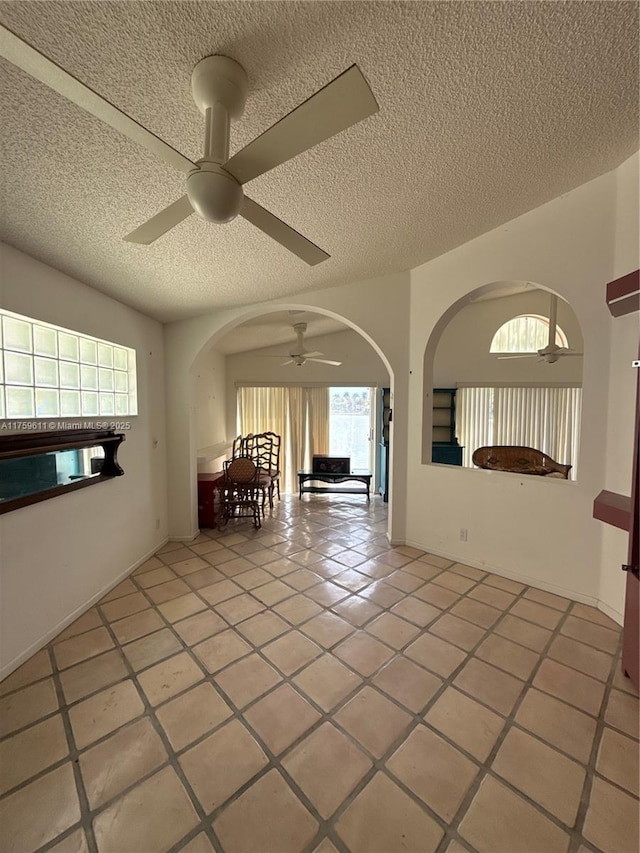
(214, 194)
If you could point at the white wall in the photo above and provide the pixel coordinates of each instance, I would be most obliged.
(622, 388)
(210, 404)
(59, 555)
(378, 309)
(361, 365)
(463, 355)
(539, 531)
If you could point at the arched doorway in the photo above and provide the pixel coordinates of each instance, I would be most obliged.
(185, 342)
(322, 402)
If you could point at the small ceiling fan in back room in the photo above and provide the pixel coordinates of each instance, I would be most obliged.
(552, 352)
(298, 355)
(214, 183)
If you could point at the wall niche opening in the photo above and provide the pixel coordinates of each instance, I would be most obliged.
(527, 395)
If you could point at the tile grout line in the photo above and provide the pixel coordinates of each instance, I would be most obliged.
(574, 835)
(326, 827)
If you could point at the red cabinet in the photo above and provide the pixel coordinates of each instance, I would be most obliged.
(206, 499)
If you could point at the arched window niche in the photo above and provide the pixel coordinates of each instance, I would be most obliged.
(520, 400)
(526, 333)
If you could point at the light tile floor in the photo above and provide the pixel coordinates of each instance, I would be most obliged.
(306, 687)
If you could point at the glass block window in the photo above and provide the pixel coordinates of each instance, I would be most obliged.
(49, 372)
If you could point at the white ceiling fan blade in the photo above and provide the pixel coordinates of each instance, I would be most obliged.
(524, 355)
(27, 58)
(284, 363)
(161, 222)
(343, 102)
(282, 233)
(311, 354)
(324, 361)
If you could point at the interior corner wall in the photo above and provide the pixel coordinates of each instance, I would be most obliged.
(526, 527)
(57, 556)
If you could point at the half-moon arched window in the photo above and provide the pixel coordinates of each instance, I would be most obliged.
(527, 333)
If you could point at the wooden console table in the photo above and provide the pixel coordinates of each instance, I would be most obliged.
(332, 480)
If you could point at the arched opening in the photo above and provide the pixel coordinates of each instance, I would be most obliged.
(491, 380)
(253, 352)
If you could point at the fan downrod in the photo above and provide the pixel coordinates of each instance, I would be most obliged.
(219, 87)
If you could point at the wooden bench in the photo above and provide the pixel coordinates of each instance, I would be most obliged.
(519, 460)
(334, 478)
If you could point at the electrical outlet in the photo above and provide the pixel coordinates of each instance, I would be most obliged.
(464, 534)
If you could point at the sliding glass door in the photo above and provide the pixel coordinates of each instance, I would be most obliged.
(351, 413)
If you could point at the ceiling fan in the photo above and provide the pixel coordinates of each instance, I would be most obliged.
(299, 355)
(552, 352)
(214, 183)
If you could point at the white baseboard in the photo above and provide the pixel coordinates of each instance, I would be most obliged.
(184, 538)
(611, 613)
(8, 668)
(574, 595)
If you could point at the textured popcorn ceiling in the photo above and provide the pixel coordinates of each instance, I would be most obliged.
(487, 110)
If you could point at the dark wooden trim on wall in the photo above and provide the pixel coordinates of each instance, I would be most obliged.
(623, 294)
(17, 445)
(613, 509)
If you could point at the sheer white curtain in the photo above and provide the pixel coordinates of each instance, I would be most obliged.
(317, 435)
(263, 409)
(260, 409)
(547, 418)
(294, 437)
(300, 416)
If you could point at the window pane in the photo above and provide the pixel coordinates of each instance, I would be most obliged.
(45, 341)
(47, 402)
(17, 335)
(18, 368)
(89, 377)
(19, 402)
(350, 424)
(106, 404)
(121, 383)
(70, 403)
(528, 333)
(68, 346)
(106, 379)
(46, 372)
(105, 355)
(120, 358)
(90, 403)
(69, 375)
(88, 351)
